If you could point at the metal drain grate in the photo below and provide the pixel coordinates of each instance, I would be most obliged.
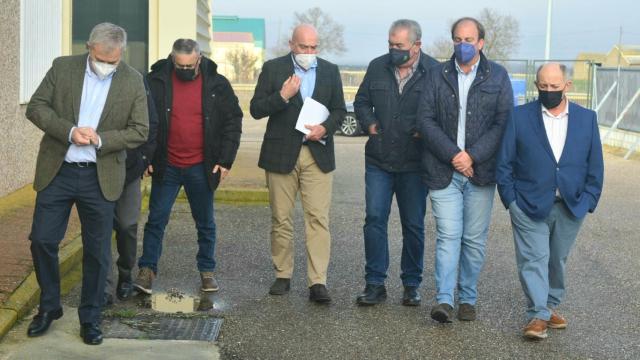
(162, 328)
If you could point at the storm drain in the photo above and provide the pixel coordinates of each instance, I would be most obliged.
(162, 328)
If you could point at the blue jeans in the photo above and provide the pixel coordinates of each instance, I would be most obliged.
(163, 195)
(411, 195)
(542, 248)
(463, 212)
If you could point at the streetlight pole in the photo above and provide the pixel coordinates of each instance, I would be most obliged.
(547, 48)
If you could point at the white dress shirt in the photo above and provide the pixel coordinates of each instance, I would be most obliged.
(94, 96)
(556, 128)
(464, 84)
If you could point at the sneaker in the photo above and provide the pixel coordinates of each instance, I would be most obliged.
(144, 281)
(209, 283)
(557, 321)
(280, 287)
(466, 312)
(442, 313)
(536, 329)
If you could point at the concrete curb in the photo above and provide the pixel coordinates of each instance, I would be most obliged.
(239, 195)
(26, 296)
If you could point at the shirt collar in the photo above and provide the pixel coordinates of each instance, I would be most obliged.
(296, 66)
(564, 112)
(474, 68)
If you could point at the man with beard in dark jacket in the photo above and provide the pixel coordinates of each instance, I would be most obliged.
(386, 106)
(462, 115)
(199, 129)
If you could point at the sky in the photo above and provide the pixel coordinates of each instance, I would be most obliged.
(577, 25)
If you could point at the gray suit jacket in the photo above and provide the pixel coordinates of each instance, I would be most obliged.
(55, 108)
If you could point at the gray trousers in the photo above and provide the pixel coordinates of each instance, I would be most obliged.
(542, 248)
(125, 224)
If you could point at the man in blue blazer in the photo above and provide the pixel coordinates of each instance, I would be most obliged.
(549, 173)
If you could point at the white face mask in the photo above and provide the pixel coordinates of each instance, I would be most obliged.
(305, 60)
(103, 70)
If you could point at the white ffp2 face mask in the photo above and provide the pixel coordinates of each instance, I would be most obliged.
(103, 70)
(305, 60)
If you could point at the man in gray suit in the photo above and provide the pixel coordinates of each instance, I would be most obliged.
(91, 108)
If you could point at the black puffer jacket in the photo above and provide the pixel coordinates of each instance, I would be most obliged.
(222, 117)
(379, 101)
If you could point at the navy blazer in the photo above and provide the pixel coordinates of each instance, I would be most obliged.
(528, 173)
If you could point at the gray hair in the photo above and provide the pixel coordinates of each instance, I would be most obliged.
(185, 46)
(415, 32)
(110, 36)
(563, 68)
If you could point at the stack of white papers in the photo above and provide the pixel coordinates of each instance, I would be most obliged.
(312, 113)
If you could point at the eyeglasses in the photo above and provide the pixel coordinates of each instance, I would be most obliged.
(187, 66)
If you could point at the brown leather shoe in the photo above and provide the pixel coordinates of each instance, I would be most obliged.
(209, 283)
(536, 329)
(557, 321)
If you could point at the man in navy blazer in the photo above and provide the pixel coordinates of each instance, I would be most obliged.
(549, 173)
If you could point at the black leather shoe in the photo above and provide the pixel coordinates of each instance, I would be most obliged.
(280, 287)
(318, 293)
(42, 321)
(411, 297)
(123, 290)
(442, 313)
(107, 300)
(372, 294)
(91, 334)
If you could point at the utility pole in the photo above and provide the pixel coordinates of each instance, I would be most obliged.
(618, 75)
(547, 48)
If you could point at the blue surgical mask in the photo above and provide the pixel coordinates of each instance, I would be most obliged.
(464, 52)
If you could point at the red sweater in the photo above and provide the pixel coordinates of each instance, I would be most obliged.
(186, 132)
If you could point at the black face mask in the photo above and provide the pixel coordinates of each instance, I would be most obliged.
(399, 57)
(186, 74)
(550, 99)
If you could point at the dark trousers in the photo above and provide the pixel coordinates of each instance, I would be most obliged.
(79, 186)
(125, 224)
(411, 196)
(163, 195)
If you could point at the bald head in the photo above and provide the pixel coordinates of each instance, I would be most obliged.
(552, 70)
(304, 39)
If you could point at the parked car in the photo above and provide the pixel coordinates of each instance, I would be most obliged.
(350, 125)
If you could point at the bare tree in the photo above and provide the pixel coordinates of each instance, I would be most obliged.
(441, 48)
(502, 34)
(501, 37)
(243, 62)
(330, 33)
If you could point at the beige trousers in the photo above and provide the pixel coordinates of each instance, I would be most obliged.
(315, 194)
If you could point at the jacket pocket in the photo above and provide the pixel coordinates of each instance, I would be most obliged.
(373, 146)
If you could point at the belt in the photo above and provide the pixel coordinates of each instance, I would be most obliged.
(81, 164)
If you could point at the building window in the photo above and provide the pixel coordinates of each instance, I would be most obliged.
(132, 15)
(40, 42)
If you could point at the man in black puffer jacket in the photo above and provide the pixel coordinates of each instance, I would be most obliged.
(386, 106)
(462, 115)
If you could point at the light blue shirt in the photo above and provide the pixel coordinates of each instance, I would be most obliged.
(307, 78)
(464, 84)
(94, 95)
